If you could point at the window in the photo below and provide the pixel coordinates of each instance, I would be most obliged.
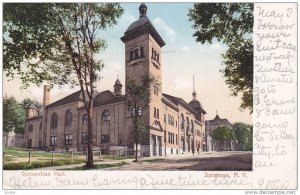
(68, 118)
(130, 55)
(192, 126)
(120, 142)
(52, 140)
(68, 139)
(157, 113)
(30, 128)
(136, 53)
(105, 116)
(155, 90)
(171, 137)
(84, 119)
(84, 138)
(142, 51)
(154, 112)
(182, 121)
(153, 54)
(187, 123)
(105, 139)
(170, 120)
(54, 120)
(176, 140)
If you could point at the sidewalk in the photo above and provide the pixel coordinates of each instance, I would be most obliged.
(202, 155)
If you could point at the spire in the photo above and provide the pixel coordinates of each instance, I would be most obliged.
(194, 92)
(143, 9)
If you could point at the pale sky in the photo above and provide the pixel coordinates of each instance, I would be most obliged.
(182, 57)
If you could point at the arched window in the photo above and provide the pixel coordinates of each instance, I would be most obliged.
(84, 119)
(142, 51)
(153, 54)
(68, 118)
(187, 123)
(182, 121)
(136, 53)
(30, 128)
(40, 131)
(105, 115)
(192, 126)
(54, 120)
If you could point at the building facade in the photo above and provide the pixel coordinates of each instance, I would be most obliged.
(210, 127)
(174, 126)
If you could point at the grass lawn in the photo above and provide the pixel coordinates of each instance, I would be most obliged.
(100, 166)
(17, 159)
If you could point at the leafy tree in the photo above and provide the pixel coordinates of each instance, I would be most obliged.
(244, 135)
(232, 24)
(13, 115)
(223, 135)
(58, 43)
(138, 98)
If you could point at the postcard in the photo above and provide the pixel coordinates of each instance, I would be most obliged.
(150, 96)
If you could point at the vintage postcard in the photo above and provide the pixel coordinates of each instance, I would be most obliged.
(150, 96)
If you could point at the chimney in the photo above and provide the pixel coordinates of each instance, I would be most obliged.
(31, 111)
(46, 98)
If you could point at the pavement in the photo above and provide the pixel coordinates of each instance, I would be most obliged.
(227, 160)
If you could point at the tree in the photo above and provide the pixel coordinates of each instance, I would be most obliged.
(223, 136)
(232, 24)
(13, 115)
(58, 43)
(138, 97)
(244, 135)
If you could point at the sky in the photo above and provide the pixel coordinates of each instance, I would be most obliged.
(182, 57)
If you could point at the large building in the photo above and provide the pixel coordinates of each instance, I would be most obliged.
(210, 127)
(174, 126)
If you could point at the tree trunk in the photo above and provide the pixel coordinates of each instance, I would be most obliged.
(89, 162)
(136, 151)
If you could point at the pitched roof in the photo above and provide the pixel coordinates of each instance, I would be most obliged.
(76, 96)
(106, 97)
(177, 100)
(101, 98)
(217, 121)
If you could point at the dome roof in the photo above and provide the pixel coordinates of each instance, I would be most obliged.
(140, 22)
(195, 104)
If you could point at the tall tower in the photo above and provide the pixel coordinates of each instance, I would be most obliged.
(143, 57)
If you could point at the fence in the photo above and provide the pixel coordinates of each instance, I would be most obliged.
(100, 154)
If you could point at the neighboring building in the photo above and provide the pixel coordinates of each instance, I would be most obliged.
(12, 139)
(210, 126)
(174, 126)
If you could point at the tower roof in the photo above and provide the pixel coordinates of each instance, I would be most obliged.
(141, 26)
(118, 82)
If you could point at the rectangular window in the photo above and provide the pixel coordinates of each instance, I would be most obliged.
(52, 140)
(84, 138)
(68, 139)
(170, 120)
(176, 140)
(105, 139)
